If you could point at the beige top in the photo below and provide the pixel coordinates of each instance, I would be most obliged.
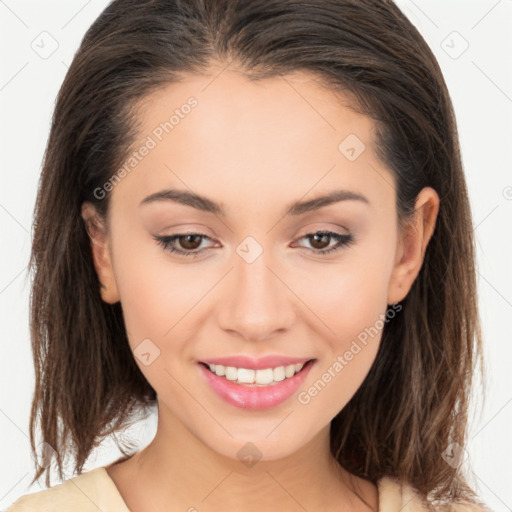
(95, 490)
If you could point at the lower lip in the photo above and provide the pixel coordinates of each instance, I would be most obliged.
(255, 397)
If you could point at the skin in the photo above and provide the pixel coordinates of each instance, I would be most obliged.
(255, 148)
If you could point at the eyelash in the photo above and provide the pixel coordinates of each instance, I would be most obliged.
(166, 241)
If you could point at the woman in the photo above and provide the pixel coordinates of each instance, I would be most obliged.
(253, 216)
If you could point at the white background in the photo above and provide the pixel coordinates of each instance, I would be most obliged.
(480, 84)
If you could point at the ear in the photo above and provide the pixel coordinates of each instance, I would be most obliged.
(101, 253)
(412, 243)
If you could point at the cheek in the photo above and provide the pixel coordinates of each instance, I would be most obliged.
(346, 297)
(351, 307)
(348, 294)
(158, 300)
(155, 293)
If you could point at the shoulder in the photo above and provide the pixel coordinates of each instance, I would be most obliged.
(88, 492)
(396, 495)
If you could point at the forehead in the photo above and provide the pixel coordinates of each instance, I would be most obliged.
(225, 133)
(284, 108)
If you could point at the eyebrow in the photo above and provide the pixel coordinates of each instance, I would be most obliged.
(207, 205)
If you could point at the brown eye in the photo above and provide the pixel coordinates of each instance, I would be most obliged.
(190, 242)
(183, 244)
(320, 240)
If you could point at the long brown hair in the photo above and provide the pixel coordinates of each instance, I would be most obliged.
(413, 404)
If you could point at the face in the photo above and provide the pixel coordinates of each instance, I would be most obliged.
(258, 268)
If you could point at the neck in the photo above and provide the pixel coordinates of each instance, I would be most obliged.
(179, 469)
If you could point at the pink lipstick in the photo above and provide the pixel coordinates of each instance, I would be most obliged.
(253, 396)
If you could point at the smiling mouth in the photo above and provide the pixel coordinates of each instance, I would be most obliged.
(257, 378)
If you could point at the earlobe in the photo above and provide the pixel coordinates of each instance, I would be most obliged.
(101, 255)
(412, 244)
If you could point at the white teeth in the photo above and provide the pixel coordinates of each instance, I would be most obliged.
(289, 371)
(258, 377)
(279, 373)
(231, 373)
(265, 376)
(246, 376)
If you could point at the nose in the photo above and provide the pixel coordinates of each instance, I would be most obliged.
(257, 303)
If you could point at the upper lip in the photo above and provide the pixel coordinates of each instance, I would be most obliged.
(256, 363)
